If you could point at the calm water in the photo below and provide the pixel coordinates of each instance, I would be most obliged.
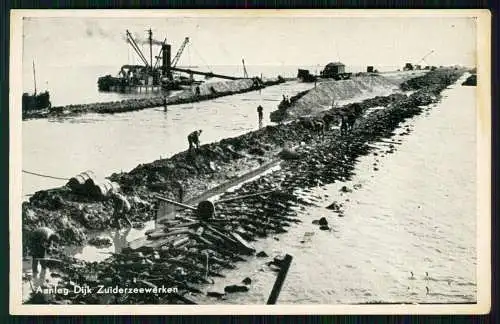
(111, 143)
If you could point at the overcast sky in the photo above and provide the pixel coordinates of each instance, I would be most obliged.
(261, 41)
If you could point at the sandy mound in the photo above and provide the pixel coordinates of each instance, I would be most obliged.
(321, 97)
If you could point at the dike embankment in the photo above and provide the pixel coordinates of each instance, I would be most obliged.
(316, 161)
(208, 91)
(360, 86)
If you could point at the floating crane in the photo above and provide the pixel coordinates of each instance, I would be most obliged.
(149, 76)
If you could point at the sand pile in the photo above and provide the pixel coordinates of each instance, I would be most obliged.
(320, 98)
(325, 92)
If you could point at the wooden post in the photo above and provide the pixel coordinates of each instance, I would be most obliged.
(34, 75)
(280, 279)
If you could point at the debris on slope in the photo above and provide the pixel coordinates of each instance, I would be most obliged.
(192, 256)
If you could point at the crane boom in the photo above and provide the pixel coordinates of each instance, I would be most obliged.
(425, 56)
(159, 54)
(179, 52)
(136, 48)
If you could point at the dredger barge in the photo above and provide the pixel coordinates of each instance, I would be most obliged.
(158, 80)
(153, 77)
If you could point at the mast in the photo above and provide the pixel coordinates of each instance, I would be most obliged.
(150, 32)
(34, 75)
(245, 73)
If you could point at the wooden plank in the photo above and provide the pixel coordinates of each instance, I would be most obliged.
(278, 284)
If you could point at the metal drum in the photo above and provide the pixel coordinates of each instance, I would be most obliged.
(78, 182)
(205, 210)
(105, 188)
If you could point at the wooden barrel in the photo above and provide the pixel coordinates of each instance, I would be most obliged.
(78, 182)
(104, 188)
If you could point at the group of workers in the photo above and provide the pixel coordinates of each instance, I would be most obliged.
(41, 239)
(194, 137)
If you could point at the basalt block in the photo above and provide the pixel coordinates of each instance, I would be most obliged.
(322, 221)
(235, 288)
(262, 254)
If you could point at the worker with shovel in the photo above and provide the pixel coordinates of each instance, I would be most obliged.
(260, 112)
(40, 241)
(194, 139)
(121, 209)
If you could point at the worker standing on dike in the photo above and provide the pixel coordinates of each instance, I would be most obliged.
(194, 139)
(260, 112)
(39, 242)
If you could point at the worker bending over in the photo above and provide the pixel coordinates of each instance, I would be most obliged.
(121, 209)
(194, 139)
(260, 112)
(40, 241)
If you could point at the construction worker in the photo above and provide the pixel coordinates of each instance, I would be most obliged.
(343, 125)
(121, 208)
(40, 240)
(194, 139)
(260, 112)
(180, 190)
